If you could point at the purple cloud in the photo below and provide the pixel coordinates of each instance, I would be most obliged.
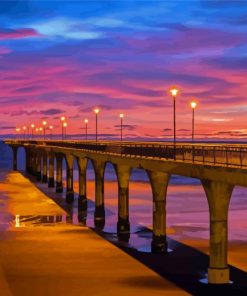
(6, 34)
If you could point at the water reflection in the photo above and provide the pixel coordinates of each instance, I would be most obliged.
(75, 218)
(17, 221)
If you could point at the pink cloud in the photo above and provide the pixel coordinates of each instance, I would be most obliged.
(191, 40)
(4, 50)
(18, 33)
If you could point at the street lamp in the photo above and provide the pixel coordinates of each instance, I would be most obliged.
(44, 124)
(96, 110)
(65, 124)
(37, 130)
(51, 128)
(193, 105)
(17, 131)
(62, 120)
(32, 127)
(86, 122)
(24, 131)
(40, 131)
(121, 115)
(174, 92)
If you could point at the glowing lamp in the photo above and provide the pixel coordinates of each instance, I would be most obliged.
(193, 105)
(174, 91)
(96, 110)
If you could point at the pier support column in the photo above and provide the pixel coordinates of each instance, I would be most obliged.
(82, 165)
(30, 161)
(159, 183)
(44, 171)
(27, 160)
(123, 225)
(14, 150)
(51, 171)
(218, 195)
(99, 214)
(38, 167)
(69, 189)
(33, 163)
(59, 174)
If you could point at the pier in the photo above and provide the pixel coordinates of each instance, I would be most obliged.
(219, 168)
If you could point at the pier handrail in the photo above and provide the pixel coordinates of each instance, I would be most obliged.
(209, 154)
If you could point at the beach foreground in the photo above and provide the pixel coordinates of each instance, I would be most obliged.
(40, 257)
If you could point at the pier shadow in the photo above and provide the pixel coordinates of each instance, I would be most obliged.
(184, 266)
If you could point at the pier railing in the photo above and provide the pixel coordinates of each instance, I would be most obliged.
(208, 154)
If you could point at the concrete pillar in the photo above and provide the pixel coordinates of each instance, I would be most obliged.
(44, 171)
(99, 214)
(123, 225)
(218, 195)
(30, 161)
(38, 167)
(34, 164)
(59, 174)
(159, 183)
(69, 189)
(51, 171)
(27, 160)
(82, 201)
(14, 150)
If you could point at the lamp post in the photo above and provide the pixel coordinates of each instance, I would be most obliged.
(62, 120)
(40, 131)
(51, 128)
(193, 105)
(32, 127)
(17, 130)
(96, 110)
(86, 122)
(65, 124)
(24, 132)
(44, 124)
(174, 92)
(121, 115)
(37, 130)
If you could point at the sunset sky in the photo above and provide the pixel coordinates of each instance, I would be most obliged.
(66, 57)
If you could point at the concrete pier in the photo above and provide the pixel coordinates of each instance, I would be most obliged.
(218, 195)
(69, 176)
(123, 225)
(38, 166)
(44, 170)
(99, 214)
(59, 173)
(159, 183)
(218, 178)
(51, 182)
(82, 166)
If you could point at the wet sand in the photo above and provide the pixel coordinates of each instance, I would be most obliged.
(42, 254)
